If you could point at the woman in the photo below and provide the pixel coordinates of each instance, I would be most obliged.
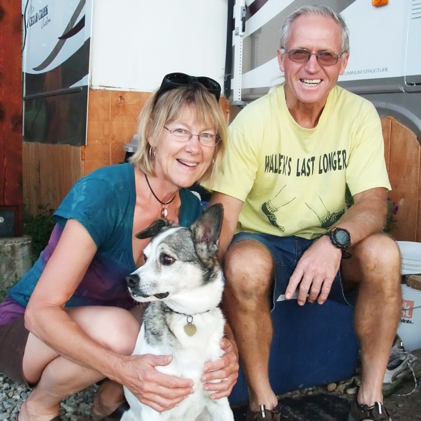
(70, 321)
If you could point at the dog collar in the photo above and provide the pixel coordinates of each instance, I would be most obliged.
(190, 328)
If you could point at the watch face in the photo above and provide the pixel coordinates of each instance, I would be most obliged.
(341, 236)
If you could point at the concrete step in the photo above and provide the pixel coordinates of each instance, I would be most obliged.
(15, 259)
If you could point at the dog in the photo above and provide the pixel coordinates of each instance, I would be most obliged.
(183, 283)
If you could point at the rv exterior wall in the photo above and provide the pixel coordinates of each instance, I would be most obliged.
(384, 43)
(379, 39)
(136, 42)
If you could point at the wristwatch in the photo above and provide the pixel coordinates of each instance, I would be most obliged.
(340, 237)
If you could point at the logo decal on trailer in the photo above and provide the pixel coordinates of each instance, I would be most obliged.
(69, 31)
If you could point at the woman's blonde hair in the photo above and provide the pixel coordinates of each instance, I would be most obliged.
(160, 110)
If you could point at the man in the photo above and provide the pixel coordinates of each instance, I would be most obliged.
(289, 159)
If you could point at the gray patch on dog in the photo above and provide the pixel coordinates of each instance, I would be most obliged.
(157, 329)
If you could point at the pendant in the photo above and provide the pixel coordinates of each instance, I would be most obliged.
(164, 213)
(190, 328)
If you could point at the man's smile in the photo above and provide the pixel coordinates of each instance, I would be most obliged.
(311, 82)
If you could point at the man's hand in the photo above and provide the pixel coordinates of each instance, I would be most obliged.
(220, 376)
(315, 272)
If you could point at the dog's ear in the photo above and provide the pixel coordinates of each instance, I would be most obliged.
(153, 229)
(206, 231)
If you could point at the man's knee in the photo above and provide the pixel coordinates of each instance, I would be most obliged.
(375, 257)
(249, 269)
(379, 250)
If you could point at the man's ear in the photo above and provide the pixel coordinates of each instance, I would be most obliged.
(344, 63)
(280, 59)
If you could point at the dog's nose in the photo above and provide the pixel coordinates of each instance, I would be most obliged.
(132, 280)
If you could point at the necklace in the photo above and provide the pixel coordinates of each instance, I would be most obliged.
(164, 211)
(189, 328)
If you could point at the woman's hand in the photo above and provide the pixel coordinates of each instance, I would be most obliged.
(153, 388)
(220, 376)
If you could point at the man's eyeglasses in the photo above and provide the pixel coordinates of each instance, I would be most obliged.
(183, 135)
(302, 55)
(175, 80)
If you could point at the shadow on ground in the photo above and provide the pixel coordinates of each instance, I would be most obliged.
(320, 407)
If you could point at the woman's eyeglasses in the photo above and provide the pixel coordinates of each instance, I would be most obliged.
(183, 135)
(302, 55)
(175, 80)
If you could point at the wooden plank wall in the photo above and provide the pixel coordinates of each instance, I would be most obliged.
(112, 121)
(49, 171)
(11, 196)
(403, 160)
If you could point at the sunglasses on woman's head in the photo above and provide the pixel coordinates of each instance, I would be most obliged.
(175, 80)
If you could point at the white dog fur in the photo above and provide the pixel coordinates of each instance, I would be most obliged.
(183, 282)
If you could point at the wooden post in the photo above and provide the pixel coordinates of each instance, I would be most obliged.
(11, 197)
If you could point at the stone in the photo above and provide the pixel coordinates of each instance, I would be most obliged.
(341, 388)
(331, 387)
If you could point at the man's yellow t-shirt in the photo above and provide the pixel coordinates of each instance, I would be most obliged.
(292, 180)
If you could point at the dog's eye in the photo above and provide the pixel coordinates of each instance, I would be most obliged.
(144, 257)
(166, 260)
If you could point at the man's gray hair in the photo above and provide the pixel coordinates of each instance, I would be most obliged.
(319, 11)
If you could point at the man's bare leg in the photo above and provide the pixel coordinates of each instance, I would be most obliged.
(375, 265)
(249, 283)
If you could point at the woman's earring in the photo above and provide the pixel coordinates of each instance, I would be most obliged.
(151, 153)
(213, 161)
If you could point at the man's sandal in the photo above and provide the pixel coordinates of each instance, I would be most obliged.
(377, 412)
(264, 414)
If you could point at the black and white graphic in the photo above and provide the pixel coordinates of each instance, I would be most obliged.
(270, 207)
(303, 168)
(55, 62)
(326, 218)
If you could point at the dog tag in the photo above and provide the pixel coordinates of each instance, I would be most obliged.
(190, 328)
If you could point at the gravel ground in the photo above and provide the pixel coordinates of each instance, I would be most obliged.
(78, 407)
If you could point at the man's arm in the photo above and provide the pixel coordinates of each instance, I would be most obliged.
(232, 209)
(318, 266)
(367, 215)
